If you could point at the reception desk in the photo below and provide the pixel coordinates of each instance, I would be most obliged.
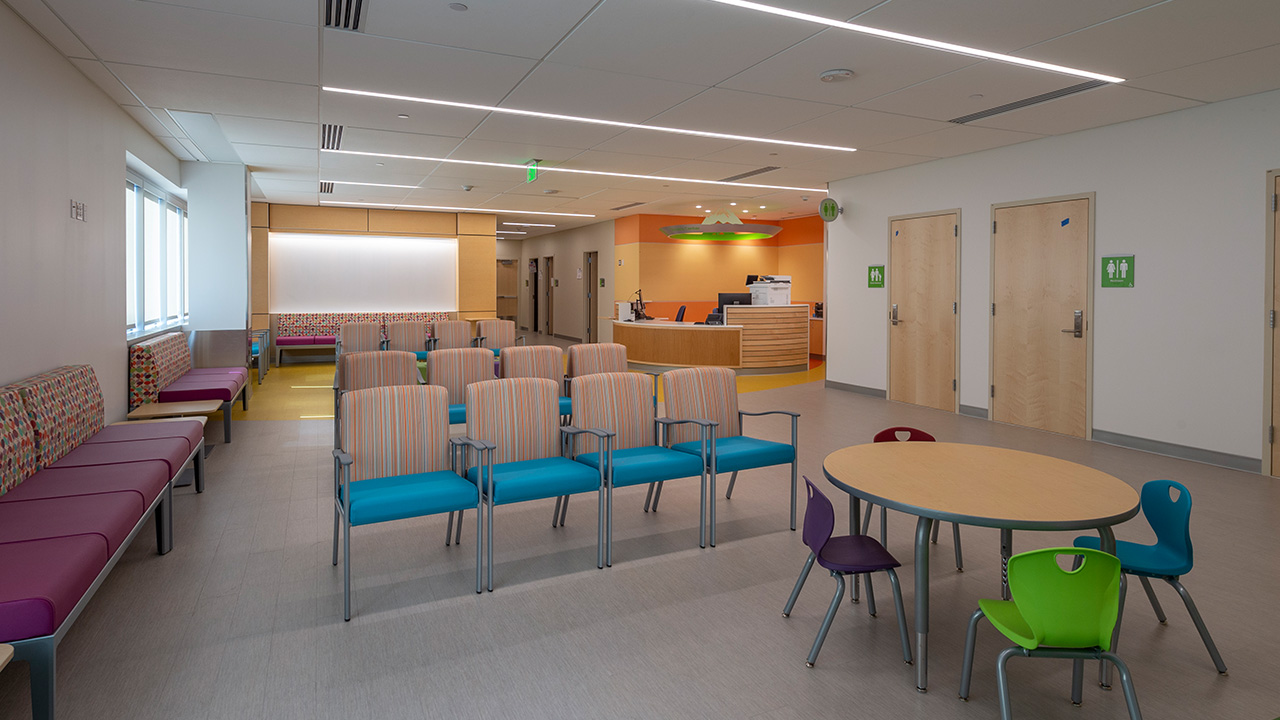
(753, 337)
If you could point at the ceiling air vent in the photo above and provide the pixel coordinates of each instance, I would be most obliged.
(1028, 102)
(344, 14)
(750, 173)
(330, 137)
(326, 187)
(625, 207)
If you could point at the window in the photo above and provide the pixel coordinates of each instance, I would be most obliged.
(156, 289)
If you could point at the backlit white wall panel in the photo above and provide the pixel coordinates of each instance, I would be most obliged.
(355, 273)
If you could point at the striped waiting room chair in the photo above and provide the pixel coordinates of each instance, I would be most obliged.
(544, 361)
(359, 337)
(396, 463)
(454, 370)
(711, 393)
(498, 335)
(452, 335)
(619, 403)
(512, 423)
(592, 358)
(363, 370)
(408, 336)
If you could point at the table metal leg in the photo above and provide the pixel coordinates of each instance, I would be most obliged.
(1006, 552)
(855, 512)
(924, 527)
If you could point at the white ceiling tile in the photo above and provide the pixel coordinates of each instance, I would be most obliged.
(296, 186)
(148, 121)
(741, 113)
(169, 36)
(512, 152)
(400, 143)
(203, 92)
(998, 25)
(39, 16)
(953, 95)
(1166, 36)
(526, 29)
(540, 131)
(192, 149)
(956, 140)
(704, 170)
(677, 40)
(471, 173)
(620, 162)
(98, 73)
(480, 187)
(176, 148)
(648, 142)
(367, 192)
(1229, 77)
(449, 198)
(858, 128)
(303, 12)
(362, 62)
(522, 202)
(880, 67)
(335, 164)
(762, 154)
(285, 173)
(292, 198)
(1104, 106)
(276, 155)
(863, 162)
(239, 129)
(572, 90)
(380, 114)
(566, 184)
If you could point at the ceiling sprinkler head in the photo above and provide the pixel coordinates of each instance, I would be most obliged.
(550, 192)
(830, 76)
(467, 188)
(458, 6)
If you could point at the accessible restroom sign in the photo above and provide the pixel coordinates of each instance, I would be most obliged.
(1117, 271)
(875, 276)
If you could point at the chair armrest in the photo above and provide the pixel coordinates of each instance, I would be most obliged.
(343, 458)
(770, 412)
(477, 444)
(695, 421)
(477, 341)
(574, 431)
(431, 343)
(520, 340)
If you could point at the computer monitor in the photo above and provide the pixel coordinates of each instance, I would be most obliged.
(732, 299)
(752, 278)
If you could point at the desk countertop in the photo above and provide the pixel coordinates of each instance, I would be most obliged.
(674, 324)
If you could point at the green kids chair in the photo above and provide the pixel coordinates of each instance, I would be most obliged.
(1055, 613)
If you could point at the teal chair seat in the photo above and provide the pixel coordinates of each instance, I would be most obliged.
(255, 347)
(404, 496)
(496, 351)
(566, 406)
(639, 465)
(1150, 560)
(457, 414)
(742, 453)
(422, 355)
(536, 479)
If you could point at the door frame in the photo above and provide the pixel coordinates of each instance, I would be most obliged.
(548, 283)
(590, 275)
(1092, 197)
(888, 300)
(1268, 306)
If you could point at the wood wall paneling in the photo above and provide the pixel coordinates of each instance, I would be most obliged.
(259, 215)
(476, 224)
(332, 219)
(477, 276)
(772, 335)
(259, 270)
(413, 223)
(679, 346)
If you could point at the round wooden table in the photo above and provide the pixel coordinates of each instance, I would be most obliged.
(976, 485)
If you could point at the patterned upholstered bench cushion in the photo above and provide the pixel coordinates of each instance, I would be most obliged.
(160, 371)
(65, 408)
(17, 441)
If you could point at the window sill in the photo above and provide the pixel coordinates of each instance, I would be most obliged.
(132, 338)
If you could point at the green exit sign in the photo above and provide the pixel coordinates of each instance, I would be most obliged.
(531, 171)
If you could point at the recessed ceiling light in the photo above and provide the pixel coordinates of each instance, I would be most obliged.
(486, 211)
(512, 232)
(923, 42)
(699, 207)
(403, 116)
(761, 207)
(550, 192)
(733, 203)
(369, 184)
(529, 224)
(830, 76)
(706, 211)
(594, 121)
(458, 6)
(575, 171)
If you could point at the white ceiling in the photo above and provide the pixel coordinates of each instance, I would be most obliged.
(257, 66)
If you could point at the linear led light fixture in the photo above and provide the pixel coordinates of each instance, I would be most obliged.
(579, 119)
(512, 232)
(486, 211)
(575, 171)
(922, 42)
(529, 224)
(368, 184)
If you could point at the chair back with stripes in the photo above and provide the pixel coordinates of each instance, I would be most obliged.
(452, 334)
(592, 358)
(520, 416)
(407, 336)
(540, 361)
(619, 402)
(498, 334)
(360, 370)
(360, 337)
(391, 431)
(704, 393)
(455, 369)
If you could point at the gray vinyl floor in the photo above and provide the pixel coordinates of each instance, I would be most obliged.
(243, 619)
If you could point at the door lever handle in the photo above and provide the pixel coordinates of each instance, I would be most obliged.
(893, 315)
(1078, 330)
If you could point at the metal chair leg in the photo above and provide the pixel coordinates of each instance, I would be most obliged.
(564, 510)
(1126, 682)
(488, 543)
(902, 616)
(728, 493)
(1104, 670)
(826, 621)
(866, 519)
(657, 496)
(1077, 682)
(479, 547)
(1200, 627)
(555, 514)
(871, 596)
(335, 534)
(448, 531)
(970, 639)
(955, 534)
(648, 498)
(1002, 680)
(1155, 602)
(795, 591)
(458, 540)
(884, 526)
(346, 570)
(934, 539)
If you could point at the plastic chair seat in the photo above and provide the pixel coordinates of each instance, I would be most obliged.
(457, 414)
(566, 406)
(742, 453)
(1004, 616)
(404, 496)
(1151, 560)
(640, 465)
(537, 479)
(855, 554)
(496, 351)
(421, 355)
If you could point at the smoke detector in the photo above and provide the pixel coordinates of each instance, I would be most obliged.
(467, 188)
(831, 76)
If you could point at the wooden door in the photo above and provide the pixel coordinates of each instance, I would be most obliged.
(548, 284)
(507, 289)
(922, 310)
(1275, 337)
(1041, 262)
(534, 290)
(591, 299)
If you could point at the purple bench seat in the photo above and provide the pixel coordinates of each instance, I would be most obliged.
(222, 387)
(110, 516)
(147, 478)
(43, 581)
(160, 371)
(192, 432)
(175, 452)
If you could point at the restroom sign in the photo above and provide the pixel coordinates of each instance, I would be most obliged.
(875, 276)
(1117, 271)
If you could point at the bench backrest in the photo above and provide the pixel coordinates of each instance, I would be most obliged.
(312, 324)
(17, 441)
(65, 408)
(154, 364)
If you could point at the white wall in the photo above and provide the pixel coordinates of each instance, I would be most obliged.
(1178, 358)
(62, 281)
(218, 238)
(567, 247)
